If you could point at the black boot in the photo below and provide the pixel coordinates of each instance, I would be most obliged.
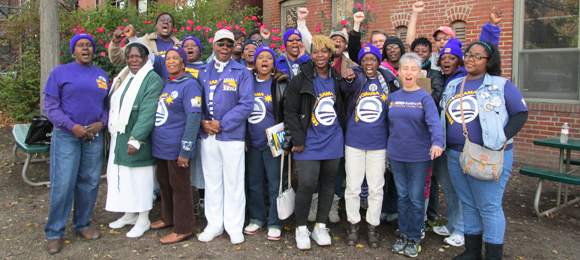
(352, 237)
(372, 236)
(493, 251)
(472, 248)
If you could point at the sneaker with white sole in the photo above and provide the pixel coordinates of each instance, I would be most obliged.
(302, 238)
(138, 231)
(320, 235)
(313, 208)
(442, 231)
(274, 234)
(252, 229)
(119, 223)
(455, 240)
(236, 238)
(208, 235)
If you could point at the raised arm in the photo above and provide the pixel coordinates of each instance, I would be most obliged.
(354, 44)
(306, 35)
(491, 31)
(418, 7)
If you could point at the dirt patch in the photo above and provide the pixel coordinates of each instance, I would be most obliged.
(23, 212)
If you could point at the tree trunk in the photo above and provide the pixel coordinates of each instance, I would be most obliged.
(49, 42)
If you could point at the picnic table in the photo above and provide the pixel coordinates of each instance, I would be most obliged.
(563, 176)
(19, 133)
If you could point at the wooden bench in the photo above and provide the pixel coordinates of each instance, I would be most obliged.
(19, 133)
(542, 174)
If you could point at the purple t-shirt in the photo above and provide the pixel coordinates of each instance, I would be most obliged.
(194, 68)
(455, 139)
(163, 46)
(82, 91)
(367, 127)
(414, 126)
(324, 139)
(262, 116)
(178, 98)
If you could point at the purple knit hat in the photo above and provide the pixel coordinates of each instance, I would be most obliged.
(453, 46)
(264, 48)
(79, 36)
(196, 40)
(179, 50)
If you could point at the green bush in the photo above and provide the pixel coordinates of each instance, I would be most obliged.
(20, 94)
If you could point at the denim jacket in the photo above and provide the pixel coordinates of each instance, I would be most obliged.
(492, 122)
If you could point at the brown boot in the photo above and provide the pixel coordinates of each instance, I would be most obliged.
(54, 245)
(373, 236)
(352, 237)
(90, 233)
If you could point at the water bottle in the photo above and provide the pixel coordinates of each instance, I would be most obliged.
(564, 134)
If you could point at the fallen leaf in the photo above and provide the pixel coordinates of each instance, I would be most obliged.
(21, 209)
(185, 245)
(96, 255)
(153, 256)
(287, 228)
(28, 224)
(441, 250)
(519, 257)
(67, 241)
(153, 235)
(555, 251)
(239, 248)
(114, 232)
(7, 239)
(180, 256)
(9, 205)
(359, 246)
(134, 251)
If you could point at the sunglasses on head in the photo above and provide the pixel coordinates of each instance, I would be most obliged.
(222, 44)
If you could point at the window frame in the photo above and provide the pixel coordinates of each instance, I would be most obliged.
(289, 4)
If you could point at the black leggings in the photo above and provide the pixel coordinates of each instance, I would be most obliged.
(309, 174)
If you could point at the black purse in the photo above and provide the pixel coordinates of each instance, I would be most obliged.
(40, 131)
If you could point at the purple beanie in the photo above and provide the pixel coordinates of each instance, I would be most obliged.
(290, 32)
(196, 40)
(453, 46)
(264, 48)
(179, 50)
(369, 48)
(79, 36)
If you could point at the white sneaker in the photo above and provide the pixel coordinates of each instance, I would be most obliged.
(138, 231)
(208, 235)
(455, 240)
(320, 235)
(333, 214)
(119, 223)
(442, 231)
(302, 238)
(252, 229)
(313, 208)
(274, 234)
(237, 238)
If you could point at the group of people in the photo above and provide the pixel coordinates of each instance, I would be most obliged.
(388, 122)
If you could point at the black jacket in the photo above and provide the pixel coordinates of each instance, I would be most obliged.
(437, 82)
(354, 45)
(300, 101)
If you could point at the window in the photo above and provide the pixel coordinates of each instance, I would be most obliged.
(402, 34)
(118, 3)
(548, 57)
(341, 9)
(458, 27)
(288, 13)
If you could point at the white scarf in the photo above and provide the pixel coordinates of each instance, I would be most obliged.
(119, 113)
(220, 65)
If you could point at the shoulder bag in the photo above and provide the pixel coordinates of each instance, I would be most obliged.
(40, 131)
(285, 200)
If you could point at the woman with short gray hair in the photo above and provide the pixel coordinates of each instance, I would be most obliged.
(415, 139)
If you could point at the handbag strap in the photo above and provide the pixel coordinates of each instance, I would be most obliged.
(282, 172)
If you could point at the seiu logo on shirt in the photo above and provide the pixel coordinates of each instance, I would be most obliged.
(213, 82)
(230, 85)
(194, 72)
(102, 82)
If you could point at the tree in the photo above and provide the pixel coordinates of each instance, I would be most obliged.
(49, 42)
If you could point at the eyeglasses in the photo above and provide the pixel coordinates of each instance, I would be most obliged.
(256, 39)
(169, 21)
(295, 39)
(222, 44)
(476, 57)
(369, 60)
(134, 57)
(396, 47)
(447, 38)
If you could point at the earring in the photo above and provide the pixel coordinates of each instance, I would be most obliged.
(272, 73)
(73, 55)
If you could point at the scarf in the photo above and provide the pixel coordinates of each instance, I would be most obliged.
(220, 65)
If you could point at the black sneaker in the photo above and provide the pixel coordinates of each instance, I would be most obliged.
(412, 249)
(400, 245)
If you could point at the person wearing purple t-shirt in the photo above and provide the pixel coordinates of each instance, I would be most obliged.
(314, 118)
(366, 140)
(75, 101)
(174, 139)
(269, 92)
(415, 139)
(493, 112)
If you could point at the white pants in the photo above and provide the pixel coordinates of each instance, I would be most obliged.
(223, 171)
(359, 163)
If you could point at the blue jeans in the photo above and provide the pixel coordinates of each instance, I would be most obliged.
(454, 210)
(390, 197)
(340, 175)
(260, 164)
(481, 200)
(410, 179)
(75, 171)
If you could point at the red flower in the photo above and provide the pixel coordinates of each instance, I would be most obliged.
(198, 28)
(101, 30)
(206, 34)
(121, 27)
(78, 26)
(237, 27)
(254, 17)
(259, 24)
(283, 47)
(225, 22)
(102, 54)
(211, 40)
(317, 29)
(274, 38)
(343, 22)
(59, 52)
(124, 39)
(190, 22)
(107, 45)
(273, 45)
(89, 34)
(145, 22)
(74, 29)
(263, 27)
(188, 28)
(360, 7)
(243, 29)
(125, 20)
(182, 28)
(174, 30)
(101, 42)
(247, 18)
(122, 45)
